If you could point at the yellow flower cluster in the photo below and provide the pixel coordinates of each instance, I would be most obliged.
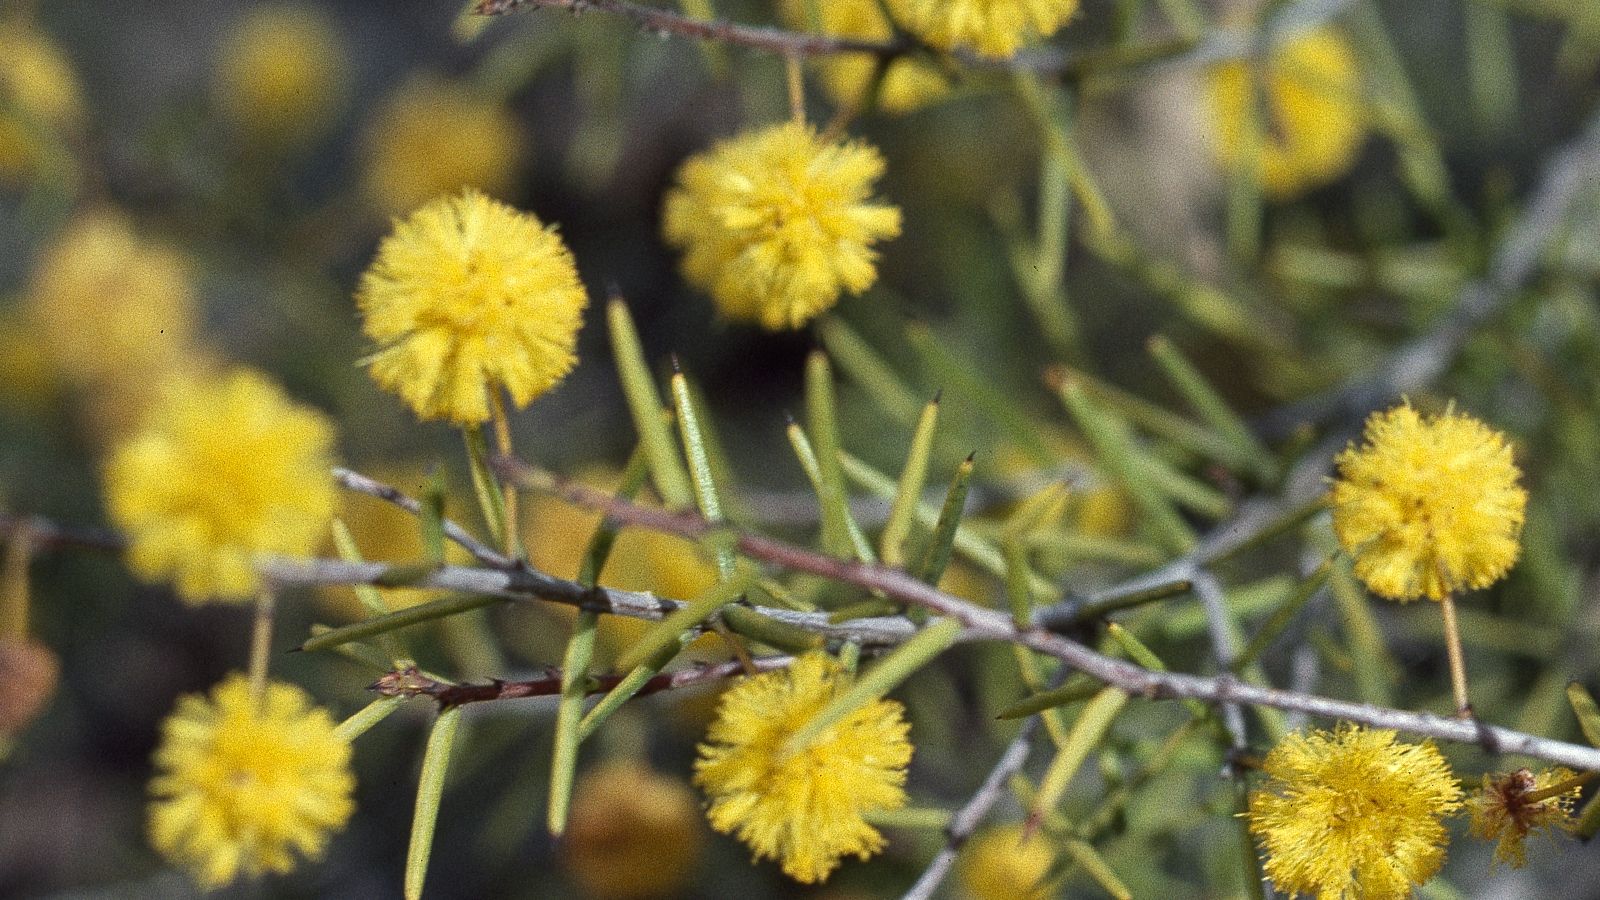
(1007, 863)
(1510, 807)
(242, 788)
(1353, 813)
(803, 808)
(466, 296)
(633, 833)
(39, 94)
(435, 137)
(280, 75)
(1428, 506)
(1307, 124)
(223, 471)
(776, 223)
(993, 28)
(908, 83)
(113, 308)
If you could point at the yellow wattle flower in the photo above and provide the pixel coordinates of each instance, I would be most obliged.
(992, 28)
(114, 310)
(281, 75)
(468, 295)
(802, 808)
(434, 137)
(1353, 813)
(1506, 812)
(1306, 109)
(1428, 506)
(633, 833)
(908, 83)
(242, 790)
(223, 471)
(1006, 863)
(39, 93)
(775, 224)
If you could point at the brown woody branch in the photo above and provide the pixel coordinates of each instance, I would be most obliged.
(410, 682)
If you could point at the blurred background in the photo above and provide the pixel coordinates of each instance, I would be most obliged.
(186, 182)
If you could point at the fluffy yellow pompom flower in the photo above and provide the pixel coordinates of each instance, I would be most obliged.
(1006, 863)
(1310, 124)
(908, 83)
(1353, 813)
(802, 808)
(241, 790)
(222, 472)
(38, 93)
(1428, 506)
(776, 223)
(1511, 807)
(633, 833)
(993, 28)
(436, 137)
(113, 309)
(281, 73)
(468, 295)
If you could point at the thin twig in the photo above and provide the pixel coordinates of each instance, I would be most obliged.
(972, 813)
(986, 624)
(410, 682)
(361, 484)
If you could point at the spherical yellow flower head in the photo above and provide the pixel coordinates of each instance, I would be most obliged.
(992, 28)
(222, 472)
(1006, 863)
(775, 224)
(1428, 506)
(1507, 810)
(803, 808)
(908, 83)
(632, 833)
(38, 93)
(242, 789)
(1307, 121)
(280, 74)
(1353, 813)
(113, 309)
(466, 296)
(436, 137)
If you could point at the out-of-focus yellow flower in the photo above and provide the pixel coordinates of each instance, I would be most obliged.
(1006, 863)
(1509, 808)
(281, 74)
(436, 137)
(1308, 120)
(116, 311)
(803, 808)
(222, 472)
(993, 28)
(776, 223)
(908, 83)
(29, 376)
(632, 834)
(1428, 506)
(466, 296)
(38, 94)
(1353, 813)
(242, 790)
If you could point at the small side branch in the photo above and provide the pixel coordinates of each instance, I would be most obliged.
(410, 682)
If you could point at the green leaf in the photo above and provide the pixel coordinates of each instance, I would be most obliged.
(669, 632)
(1210, 406)
(694, 449)
(767, 630)
(366, 717)
(1583, 706)
(405, 618)
(1088, 729)
(822, 424)
(908, 493)
(1090, 860)
(1282, 616)
(430, 787)
(569, 713)
(813, 469)
(1074, 691)
(666, 468)
(867, 369)
(947, 527)
(371, 598)
(879, 680)
(491, 500)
